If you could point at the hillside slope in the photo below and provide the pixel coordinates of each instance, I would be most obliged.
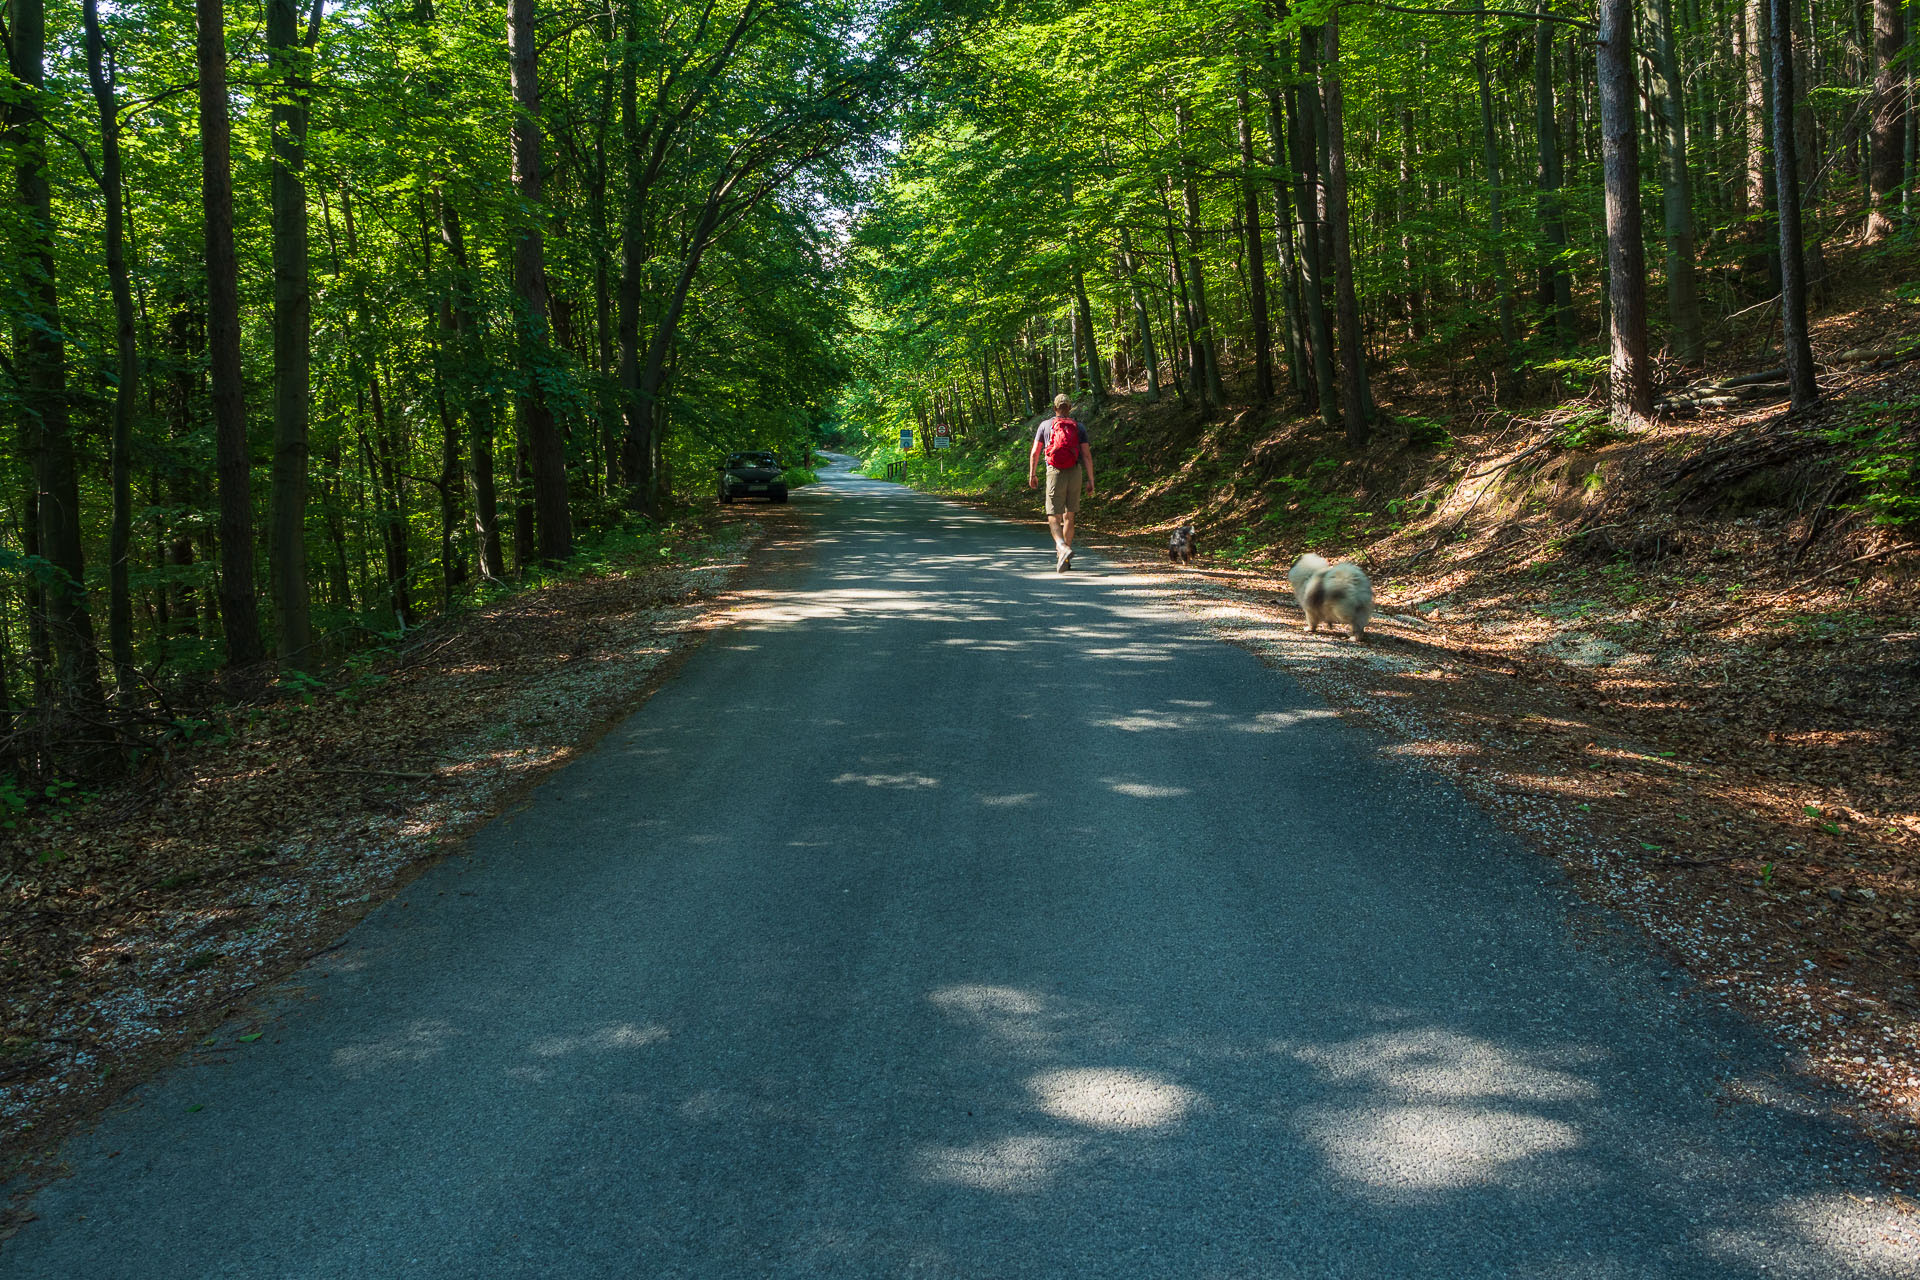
(1684, 662)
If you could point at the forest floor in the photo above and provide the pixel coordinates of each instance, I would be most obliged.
(1684, 663)
(135, 921)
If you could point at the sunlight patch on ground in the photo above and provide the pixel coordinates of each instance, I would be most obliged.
(788, 607)
(1022, 1163)
(1432, 1147)
(1855, 1231)
(1105, 1098)
(1435, 1063)
(1149, 720)
(1446, 1116)
(987, 1002)
(621, 1035)
(1132, 653)
(424, 1040)
(1017, 1019)
(1146, 790)
(896, 781)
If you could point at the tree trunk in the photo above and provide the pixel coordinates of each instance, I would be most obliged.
(1669, 103)
(239, 607)
(1811, 170)
(1141, 317)
(382, 451)
(1196, 361)
(1496, 213)
(1403, 197)
(1630, 386)
(535, 416)
(126, 361)
(1555, 289)
(476, 401)
(1206, 354)
(1887, 114)
(1759, 120)
(1786, 181)
(292, 325)
(646, 433)
(1256, 258)
(443, 334)
(1355, 401)
(52, 524)
(1283, 241)
(1096, 380)
(1306, 164)
(1908, 181)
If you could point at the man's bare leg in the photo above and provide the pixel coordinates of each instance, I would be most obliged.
(1065, 536)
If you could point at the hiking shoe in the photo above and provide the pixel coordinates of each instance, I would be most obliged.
(1066, 559)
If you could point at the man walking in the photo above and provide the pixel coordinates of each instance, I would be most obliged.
(1063, 442)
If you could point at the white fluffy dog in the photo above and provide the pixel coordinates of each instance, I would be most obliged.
(1332, 594)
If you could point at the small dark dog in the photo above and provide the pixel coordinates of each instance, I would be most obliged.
(1181, 547)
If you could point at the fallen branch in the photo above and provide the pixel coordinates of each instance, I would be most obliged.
(1502, 466)
(1871, 555)
(1748, 379)
(1818, 518)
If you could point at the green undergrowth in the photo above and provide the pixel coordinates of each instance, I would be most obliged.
(974, 468)
(1884, 440)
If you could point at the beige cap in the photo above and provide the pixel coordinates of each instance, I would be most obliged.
(1063, 401)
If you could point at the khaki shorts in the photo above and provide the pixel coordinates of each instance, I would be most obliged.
(1063, 490)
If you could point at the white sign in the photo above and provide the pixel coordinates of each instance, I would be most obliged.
(941, 442)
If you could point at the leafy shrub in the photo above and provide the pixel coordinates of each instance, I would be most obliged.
(797, 476)
(1588, 429)
(1576, 373)
(1886, 458)
(1323, 514)
(1424, 433)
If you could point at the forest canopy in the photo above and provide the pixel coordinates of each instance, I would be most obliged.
(1158, 196)
(324, 318)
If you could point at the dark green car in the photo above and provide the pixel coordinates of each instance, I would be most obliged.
(753, 475)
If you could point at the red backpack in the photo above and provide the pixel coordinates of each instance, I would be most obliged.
(1063, 446)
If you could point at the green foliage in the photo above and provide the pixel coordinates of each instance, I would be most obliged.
(1883, 438)
(1576, 373)
(19, 799)
(766, 113)
(1624, 583)
(1319, 515)
(1424, 433)
(1587, 429)
(14, 801)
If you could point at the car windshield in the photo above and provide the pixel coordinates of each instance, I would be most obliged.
(751, 460)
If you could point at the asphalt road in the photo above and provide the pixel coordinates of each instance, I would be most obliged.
(950, 917)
